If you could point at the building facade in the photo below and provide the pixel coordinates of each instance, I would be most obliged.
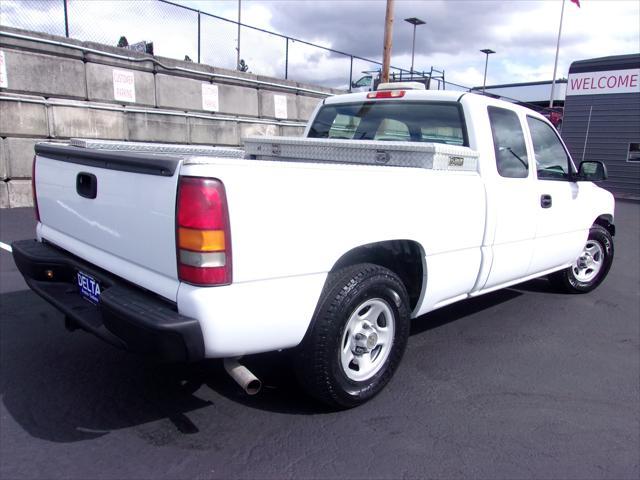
(602, 118)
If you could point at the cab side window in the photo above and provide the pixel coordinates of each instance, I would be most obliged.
(552, 161)
(508, 143)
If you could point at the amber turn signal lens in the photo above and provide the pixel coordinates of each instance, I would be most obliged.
(201, 240)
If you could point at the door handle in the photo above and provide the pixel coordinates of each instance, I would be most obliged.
(87, 185)
(545, 201)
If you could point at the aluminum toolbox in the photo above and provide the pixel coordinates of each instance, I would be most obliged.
(434, 156)
(167, 148)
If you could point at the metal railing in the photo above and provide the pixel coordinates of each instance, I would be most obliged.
(181, 32)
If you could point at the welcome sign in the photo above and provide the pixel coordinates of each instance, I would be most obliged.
(598, 83)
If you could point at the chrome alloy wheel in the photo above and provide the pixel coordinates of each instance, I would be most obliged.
(589, 263)
(367, 339)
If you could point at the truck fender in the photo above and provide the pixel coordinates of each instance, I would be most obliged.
(406, 258)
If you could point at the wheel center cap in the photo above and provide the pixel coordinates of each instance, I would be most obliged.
(585, 261)
(372, 340)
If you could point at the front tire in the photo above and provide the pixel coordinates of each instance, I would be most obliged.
(358, 336)
(591, 267)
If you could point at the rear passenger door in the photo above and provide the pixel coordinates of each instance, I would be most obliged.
(512, 199)
(560, 234)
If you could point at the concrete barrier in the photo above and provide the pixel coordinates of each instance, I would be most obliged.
(3, 161)
(21, 118)
(19, 193)
(179, 92)
(291, 131)
(151, 127)
(213, 132)
(100, 85)
(58, 88)
(4, 195)
(306, 106)
(257, 129)
(272, 105)
(79, 121)
(20, 153)
(44, 74)
(236, 100)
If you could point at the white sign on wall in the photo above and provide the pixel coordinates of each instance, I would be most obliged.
(4, 81)
(210, 99)
(280, 106)
(124, 86)
(599, 83)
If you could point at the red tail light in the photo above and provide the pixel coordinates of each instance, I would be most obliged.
(33, 189)
(203, 236)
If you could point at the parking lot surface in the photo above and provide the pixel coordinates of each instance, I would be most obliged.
(520, 383)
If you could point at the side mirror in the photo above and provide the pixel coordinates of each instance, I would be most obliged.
(592, 171)
(353, 84)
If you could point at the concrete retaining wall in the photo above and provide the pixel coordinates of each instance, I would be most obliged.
(53, 88)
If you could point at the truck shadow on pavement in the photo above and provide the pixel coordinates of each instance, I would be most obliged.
(65, 387)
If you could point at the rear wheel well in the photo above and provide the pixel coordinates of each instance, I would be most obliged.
(606, 221)
(403, 257)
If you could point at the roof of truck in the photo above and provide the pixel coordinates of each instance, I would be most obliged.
(432, 95)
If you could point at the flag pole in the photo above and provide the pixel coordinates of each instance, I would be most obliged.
(555, 65)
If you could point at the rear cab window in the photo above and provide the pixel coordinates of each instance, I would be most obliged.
(508, 143)
(437, 122)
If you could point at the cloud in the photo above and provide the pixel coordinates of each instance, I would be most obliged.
(523, 33)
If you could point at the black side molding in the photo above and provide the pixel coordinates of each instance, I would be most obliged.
(145, 163)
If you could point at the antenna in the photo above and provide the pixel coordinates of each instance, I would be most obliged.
(586, 136)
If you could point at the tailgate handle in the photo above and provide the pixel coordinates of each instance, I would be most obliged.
(87, 185)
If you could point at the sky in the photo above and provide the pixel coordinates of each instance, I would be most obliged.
(522, 32)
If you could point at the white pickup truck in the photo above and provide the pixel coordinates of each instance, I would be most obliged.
(394, 203)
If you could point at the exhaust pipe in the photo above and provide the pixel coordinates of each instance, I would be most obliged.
(242, 376)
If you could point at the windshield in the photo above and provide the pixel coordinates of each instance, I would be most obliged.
(439, 122)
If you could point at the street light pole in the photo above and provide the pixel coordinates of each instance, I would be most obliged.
(415, 22)
(487, 52)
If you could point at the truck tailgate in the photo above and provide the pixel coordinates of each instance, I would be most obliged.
(127, 225)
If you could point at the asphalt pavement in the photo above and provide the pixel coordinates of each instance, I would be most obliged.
(520, 383)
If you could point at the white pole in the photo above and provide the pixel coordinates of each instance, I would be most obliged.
(555, 65)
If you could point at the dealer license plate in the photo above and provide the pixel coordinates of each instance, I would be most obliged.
(89, 288)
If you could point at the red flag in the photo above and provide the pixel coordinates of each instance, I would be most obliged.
(577, 2)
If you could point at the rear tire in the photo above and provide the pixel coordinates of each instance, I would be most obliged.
(591, 268)
(357, 338)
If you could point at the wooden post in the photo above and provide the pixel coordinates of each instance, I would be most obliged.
(388, 35)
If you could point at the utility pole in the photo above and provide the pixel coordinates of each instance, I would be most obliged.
(388, 34)
(238, 56)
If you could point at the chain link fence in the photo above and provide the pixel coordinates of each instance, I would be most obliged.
(183, 33)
